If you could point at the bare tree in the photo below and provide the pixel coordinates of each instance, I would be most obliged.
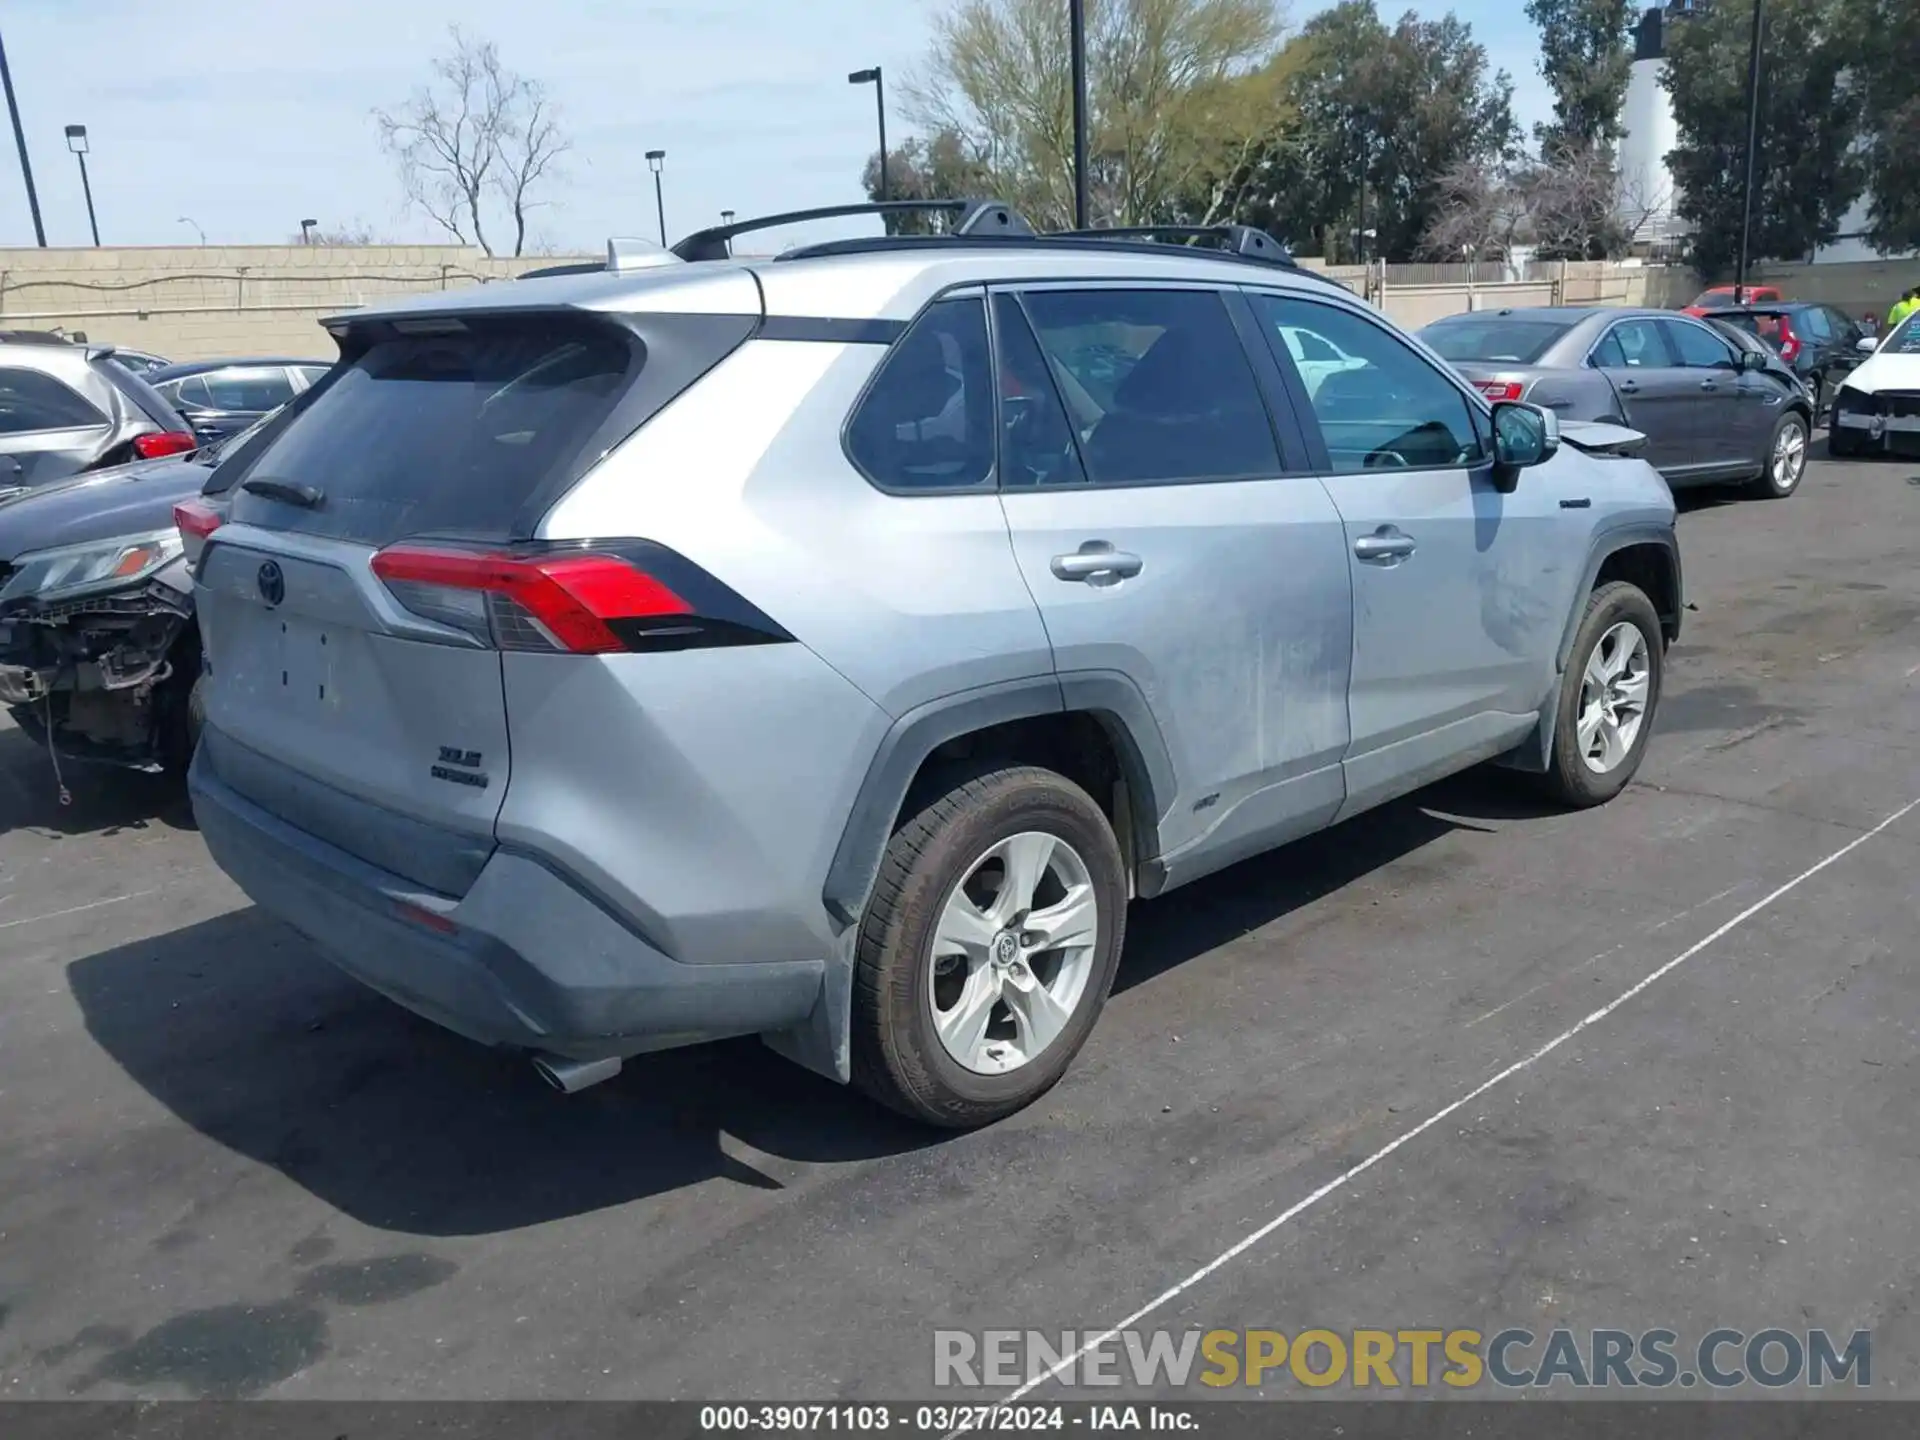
(1575, 200)
(477, 129)
(1482, 210)
(530, 152)
(357, 233)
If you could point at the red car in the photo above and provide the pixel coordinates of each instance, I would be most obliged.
(1721, 297)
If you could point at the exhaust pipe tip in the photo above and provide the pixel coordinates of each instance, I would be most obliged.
(570, 1077)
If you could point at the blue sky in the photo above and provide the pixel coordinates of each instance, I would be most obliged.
(250, 121)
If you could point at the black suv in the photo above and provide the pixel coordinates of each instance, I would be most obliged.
(1822, 344)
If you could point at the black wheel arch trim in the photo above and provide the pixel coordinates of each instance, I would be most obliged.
(1609, 542)
(1111, 698)
(1535, 753)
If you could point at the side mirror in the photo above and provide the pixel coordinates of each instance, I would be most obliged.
(1752, 360)
(1523, 435)
(1867, 344)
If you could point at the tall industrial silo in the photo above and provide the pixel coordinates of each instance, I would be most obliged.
(1646, 184)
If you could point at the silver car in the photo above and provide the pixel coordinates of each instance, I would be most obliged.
(829, 648)
(1713, 410)
(66, 408)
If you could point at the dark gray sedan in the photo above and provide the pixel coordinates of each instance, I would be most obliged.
(1712, 410)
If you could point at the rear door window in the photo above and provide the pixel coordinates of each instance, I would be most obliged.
(31, 401)
(1698, 347)
(926, 421)
(449, 433)
(1158, 384)
(1633, 345)
(1815, 319)
(242, 390)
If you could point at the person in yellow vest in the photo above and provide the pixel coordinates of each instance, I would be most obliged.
(1903, 307)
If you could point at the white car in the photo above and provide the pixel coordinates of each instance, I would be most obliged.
(1316, 357)
(1878, 409)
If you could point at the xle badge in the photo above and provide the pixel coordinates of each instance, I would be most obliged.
(461, 767)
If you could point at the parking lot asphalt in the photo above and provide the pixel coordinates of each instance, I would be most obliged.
(226, 1170)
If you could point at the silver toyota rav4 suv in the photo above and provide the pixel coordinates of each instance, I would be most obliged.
(830, 648)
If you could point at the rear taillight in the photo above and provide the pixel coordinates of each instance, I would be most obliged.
(1789, 342)
(196, 519)
(164, 443)
(1500, 389)
(583, 602)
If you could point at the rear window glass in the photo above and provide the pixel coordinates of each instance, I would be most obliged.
(31, 401)
(1516, 342)
(445, 434)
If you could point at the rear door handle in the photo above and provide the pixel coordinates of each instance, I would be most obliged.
(1628, 387)
(1095, 559)
(1385, 545)
(1708, 385)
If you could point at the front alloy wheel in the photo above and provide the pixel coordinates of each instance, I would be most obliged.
(1613, 697)
(1609, 694)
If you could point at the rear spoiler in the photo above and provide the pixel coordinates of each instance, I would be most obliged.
(1599, 438)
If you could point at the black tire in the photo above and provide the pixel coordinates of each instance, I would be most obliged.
(180, 705)
(1569, 779)
(1764, 486)
(898, 1057)
(1820, 401)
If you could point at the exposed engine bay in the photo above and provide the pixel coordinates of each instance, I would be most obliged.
(98, 678)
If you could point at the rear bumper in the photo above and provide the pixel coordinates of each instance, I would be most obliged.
(524, 959)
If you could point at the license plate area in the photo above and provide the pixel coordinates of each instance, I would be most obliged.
(307, 653)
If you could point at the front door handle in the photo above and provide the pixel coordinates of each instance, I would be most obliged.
(1628, 387)
(1385, 546)
(1708, 385)
(1096, 561)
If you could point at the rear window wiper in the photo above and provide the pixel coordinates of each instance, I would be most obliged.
(305, 496)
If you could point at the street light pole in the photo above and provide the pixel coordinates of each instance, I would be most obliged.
(306, 231)
(861, 77)
(1753, 146)
(189, 220)
(77, 143)
(20, 139)
(1077, 25)
(655, 158)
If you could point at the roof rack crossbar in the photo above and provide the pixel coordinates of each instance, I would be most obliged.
(971, 217)
(1236, 239)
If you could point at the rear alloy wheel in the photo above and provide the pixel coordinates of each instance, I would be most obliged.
(1608, 695)
(988, 948)
(1786, 459)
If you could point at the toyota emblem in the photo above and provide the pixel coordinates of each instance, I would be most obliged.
(273, 583)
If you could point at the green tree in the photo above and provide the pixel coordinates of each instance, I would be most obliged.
(1586, 53)
(1886, 37)
(1810, 168)
(940, 168)
(1378, 116)
(1172, 90)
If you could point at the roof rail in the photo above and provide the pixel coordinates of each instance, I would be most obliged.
(1242, 240)
(972, 218)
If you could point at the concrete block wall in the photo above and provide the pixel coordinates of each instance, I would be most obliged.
(196, 301)
(190, 302)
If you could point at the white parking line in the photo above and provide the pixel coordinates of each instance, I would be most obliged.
(76, 909)
(1340, 1181)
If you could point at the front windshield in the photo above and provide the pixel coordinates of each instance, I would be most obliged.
(1905, 339)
